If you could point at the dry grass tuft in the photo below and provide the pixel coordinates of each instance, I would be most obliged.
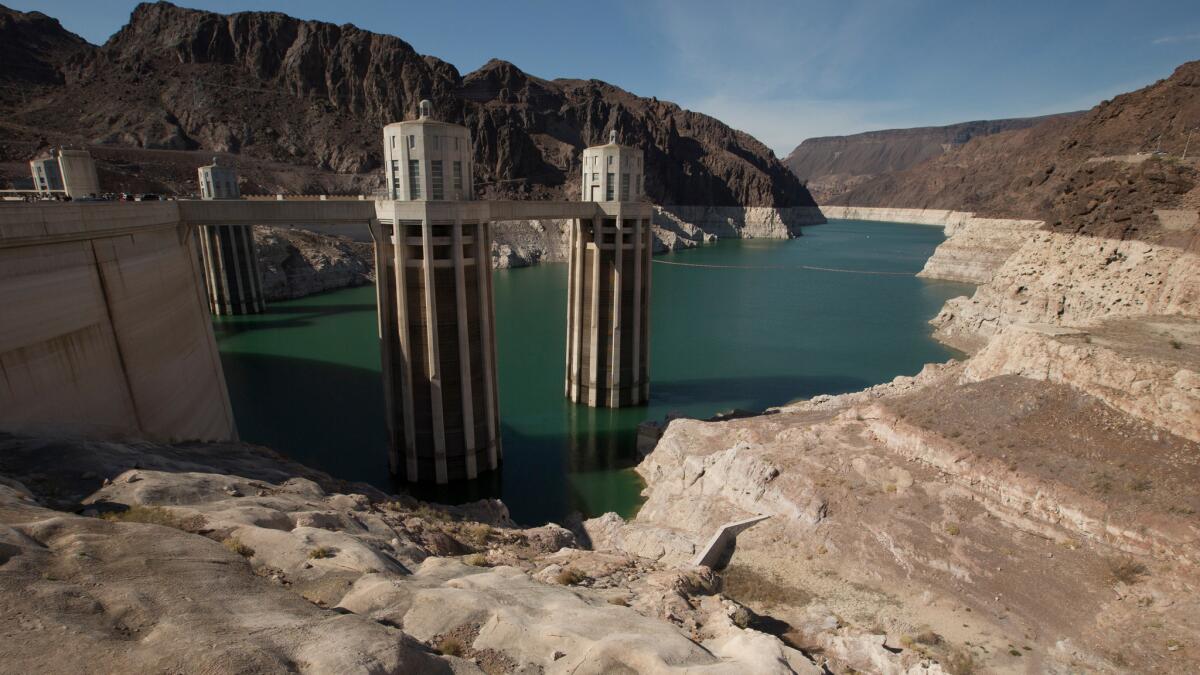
(427, 512)
(475, 560)
(450, 646)
(155, 515)
(320, 553)
(235, 545)
(748, 586)
(477, 533)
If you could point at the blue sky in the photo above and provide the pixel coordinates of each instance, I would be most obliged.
(783, 71)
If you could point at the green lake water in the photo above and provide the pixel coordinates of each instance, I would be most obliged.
(740, 324)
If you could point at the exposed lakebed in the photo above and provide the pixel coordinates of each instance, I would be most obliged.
(740, 324)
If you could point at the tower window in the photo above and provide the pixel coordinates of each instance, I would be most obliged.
(412, 141)
(458, 178)
(414, 178)
(624, 187)
(435, 179)
(609, 187)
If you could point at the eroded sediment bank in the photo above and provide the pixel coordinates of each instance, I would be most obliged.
(974, 249)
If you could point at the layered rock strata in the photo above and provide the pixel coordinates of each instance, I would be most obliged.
(1067, 280)
(974, 248)
(296, 262)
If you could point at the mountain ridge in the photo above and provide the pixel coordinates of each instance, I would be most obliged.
(829, 165)
(1096, 174)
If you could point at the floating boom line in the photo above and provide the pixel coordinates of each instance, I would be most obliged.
(786, 267)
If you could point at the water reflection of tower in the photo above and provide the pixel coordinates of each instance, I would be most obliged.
(596, 439)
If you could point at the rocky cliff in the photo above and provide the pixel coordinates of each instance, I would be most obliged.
(831, 165)
(276, 90)
(33, 49)
(295, 262)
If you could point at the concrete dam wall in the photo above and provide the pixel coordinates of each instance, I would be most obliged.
(104, 324)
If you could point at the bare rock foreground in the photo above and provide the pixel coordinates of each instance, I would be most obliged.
(137, 557)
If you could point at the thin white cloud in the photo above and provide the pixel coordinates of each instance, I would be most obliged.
(1171, 39)
(755, 66)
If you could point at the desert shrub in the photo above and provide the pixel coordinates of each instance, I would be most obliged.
(1126, 570)
(320, 553)
(1102, 483)
(929, 638)
(1141, 485)
(236, 546)
(618, 600)
(960, 662)
(952, 529)
(475, 560)
(569, 576)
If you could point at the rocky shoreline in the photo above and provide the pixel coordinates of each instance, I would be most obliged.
(298, 262)
(1027, 509)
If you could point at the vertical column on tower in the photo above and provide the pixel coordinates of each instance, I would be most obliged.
(231, 270)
